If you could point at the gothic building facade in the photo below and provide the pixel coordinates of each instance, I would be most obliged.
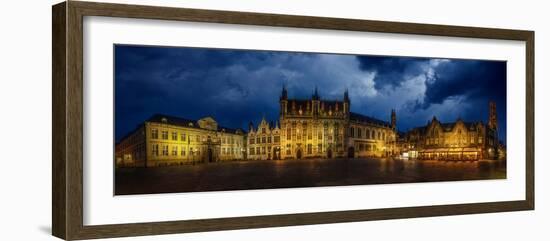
(459, 140)
(307, 128)
(264, 142)
(317, 127)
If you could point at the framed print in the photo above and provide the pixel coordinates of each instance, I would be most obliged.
(218, 120)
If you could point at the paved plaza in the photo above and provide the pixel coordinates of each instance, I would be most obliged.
(243, 175)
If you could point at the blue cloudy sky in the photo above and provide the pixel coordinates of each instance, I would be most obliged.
(239, 86)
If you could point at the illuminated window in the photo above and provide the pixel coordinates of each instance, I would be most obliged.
(155, 150)
(175, 150)
(165, 150)
(276, 139)
(183, 150)
(165, 135)
(154, 134)
(183, 137)
(174, 136)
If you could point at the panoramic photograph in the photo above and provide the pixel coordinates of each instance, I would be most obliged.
(191, 119)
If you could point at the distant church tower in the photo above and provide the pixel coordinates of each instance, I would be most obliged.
(283, 101)
(493, 124)
(315, 99)
(346, 103)
(393, 119)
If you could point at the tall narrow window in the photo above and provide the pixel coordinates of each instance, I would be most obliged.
(154, 134)
(165, 135)
(288, 133)
(174, 136)
(155, 150)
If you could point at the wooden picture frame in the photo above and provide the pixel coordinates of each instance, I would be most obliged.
(67, 152)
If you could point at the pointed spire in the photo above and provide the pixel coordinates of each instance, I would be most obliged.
(250, 126)
(316, 94)
(346, 95)
(284, 94)
(393, 119)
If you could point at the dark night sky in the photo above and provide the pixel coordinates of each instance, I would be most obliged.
(238, 86)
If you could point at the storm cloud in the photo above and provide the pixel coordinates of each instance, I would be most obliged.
(239, 86)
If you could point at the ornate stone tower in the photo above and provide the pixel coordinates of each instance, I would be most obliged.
(315, 100)
(393, 119)
(346, 103)
(283, 101)
(493, 124)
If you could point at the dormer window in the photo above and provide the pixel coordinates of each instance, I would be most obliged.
(190, 124)
(164, 120)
